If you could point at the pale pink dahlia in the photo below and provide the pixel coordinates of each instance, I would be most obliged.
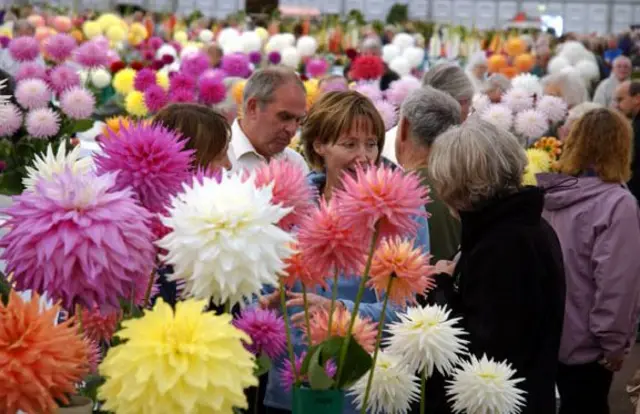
(31, 70)
(150, 158)
(42, 123)
(79, 240)
(518, 99)
(287, 376)
(24, 48)
(531, 124)
(11, 119)
(33, 93)
(155, 98)
(77, 103)
(60, 46)
(212, 90)
(91, 54)
(369, 90)
(553, 107)
(63, 77)
(400, 89)
(388, 113)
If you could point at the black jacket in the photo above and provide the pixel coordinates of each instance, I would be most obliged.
(634, 183)
(509, 288)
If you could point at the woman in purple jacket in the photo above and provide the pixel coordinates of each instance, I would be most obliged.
(598, 223)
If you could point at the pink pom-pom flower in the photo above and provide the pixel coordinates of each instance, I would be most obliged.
(370, 90)
(77, 103)
(42, 123)
(195, 65)
(11, 118)
(24, 48)
(531, 124)
(149, 158)
(518, 99)
(181, 81)
(91, 54)
(31, 70)
(266, 330)
(236, 65)
(182, 96)
(400, 89)
(317, 67)
(63, 77)
(388, 113)
(79, 240)
(212, 91)
(60, 46)
(155, 98)
(553, 107)
(144, 79)
(33, 93)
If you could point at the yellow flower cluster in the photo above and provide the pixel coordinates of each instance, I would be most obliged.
(134, 104)
(539, 162)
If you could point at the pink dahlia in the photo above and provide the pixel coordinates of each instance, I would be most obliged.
(181, 81)
(63, 77)
(274, 57)
(212, 91)
(91, 54)
(287, 376)
(217, 74)
(10, 119)
(266, 330)
(255, 57)
(144, 79)
(518, 99)
(382, 197)
(155, 42)
(99, 326)
(290, 189)
(400, 89)
(149, 158)
(24, 48)
(531, 123)
(388, 113)
(236, 65)
(195, 64)
(201, 174)
(316, 68)
(77, 103)
(94, 355)
(42, 123)
(155, 98)
(31, 70)
(79, 240)
(33, 93)
(182, 96)
(330, 244)
(60, 46)
(369, 90)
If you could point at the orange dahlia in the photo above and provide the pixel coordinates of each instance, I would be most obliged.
(408, 267)
(298, 270)
(364, 330)
(114, 124)
(39, 361)
(551, 145)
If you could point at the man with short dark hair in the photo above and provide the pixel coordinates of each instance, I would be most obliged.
(627, 100)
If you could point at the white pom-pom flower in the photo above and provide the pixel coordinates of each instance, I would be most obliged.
(403, 41)
(251, 42)
(277, 43)
(518, 99)
(480, 103)
(499, 115)
(224, 242)
(414, 55)
(189, 50)
(390, 52)
(574, 52)
(100, 78)
(528, 82)
(228, 36)
(388, 113)
(485, 387)
(206, 36)
(290, 57)
(401, 66)
(425, 338)
(531, 123)
(557, 63)
(307, 46)
(45, 167)
(393, 389)
(166, 49)
(554, 108)
(289, 39)
(589, 70)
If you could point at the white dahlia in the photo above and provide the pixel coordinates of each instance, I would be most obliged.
(518, 99)
(499, 115)
(480, 103)
(528, 82)
(531, 123)
(100, 78)
(46, 166)
(225, 243)
(553, 107)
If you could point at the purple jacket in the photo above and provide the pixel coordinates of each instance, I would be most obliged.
(598, 225)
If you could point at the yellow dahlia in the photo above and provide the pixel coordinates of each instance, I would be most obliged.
(113, 125)
(123, 81)
(162, 80)
(189, 361)
(134, 104)
(539, 162)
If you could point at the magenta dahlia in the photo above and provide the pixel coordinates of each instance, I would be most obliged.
(79, 240)
(274, 57)
(266, 330)
(77, 103)
(236, 64)
(155, 98)
(60, 46)
(150, 158)
(91, 54)
(155, 42)
(212, 91)
(195, 64)
(31, 70)
(144, 79)
(63, 77)
(316, 68)
(255, 57)
(24, 48)
(181, 81)
(182, 96)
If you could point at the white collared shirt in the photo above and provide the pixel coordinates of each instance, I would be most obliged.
(243, 155)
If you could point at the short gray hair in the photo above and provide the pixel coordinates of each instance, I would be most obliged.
(497, 81)
(449, 78)
(264, 83)
(371, 43)
(572, 88)
(474, 163)
(430, 112)
(579, 110)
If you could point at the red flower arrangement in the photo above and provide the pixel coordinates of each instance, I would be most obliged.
(117, 66)
(367, 68)
(136, 65)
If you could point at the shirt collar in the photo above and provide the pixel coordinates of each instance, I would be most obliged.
(240, 142)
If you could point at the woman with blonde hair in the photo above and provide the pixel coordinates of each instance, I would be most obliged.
(598, 223)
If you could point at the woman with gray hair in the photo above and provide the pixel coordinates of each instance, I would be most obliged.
(508, 285)
(450, 78)
(477, 71)
(565, 86)
(496, 86)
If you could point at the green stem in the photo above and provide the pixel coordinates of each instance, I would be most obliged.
(287, 329)
(307, 320)
(356, 305)
(334, 298)
(423, 388)
(147, 293)
(377, 348)
(227, 307)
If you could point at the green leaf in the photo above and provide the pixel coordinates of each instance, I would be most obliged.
(263, 365)
(318, 378)
(91, 385)
(81, 126)
(357, 362)
(5, 289)
(304, 368)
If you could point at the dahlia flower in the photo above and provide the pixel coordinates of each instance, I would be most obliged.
(487, 387)
(330, 244)
(30, 70)
(408, 267)
(63, 77)
(100, 78)
(266, 330)
(150, 158)
(60, 46)
(388, 113)
(553, 107)
(364, 331)
(399, 90)
(274, 57)
(77, 103)
(180, 81)
(91, 54)
(255, 57)
(381, 196)
(225, 243)
(528, 82)
(114, 124)
(551, 145)
(393, 389)
(518, 99)
(531, 123)
(298, 270)
(80, 240)
(316, 68)
(425, 338)
(480, 103)
(162, 79)
(538, 161)
(236, 65)
(33, 94)
(367, 68)
(24, 48)
(290, 190)
(94, 355)
(155, 98)
(11, 118)
(42, 123)
(46, 166)
(123, 81)
(499, 115)
(287, 376)
(182, 95)
(194, 65)
(212, 91)
(40, 362)
(185, 361)
(369, 90)
(99, 326)
(135, 105)
(144, 79)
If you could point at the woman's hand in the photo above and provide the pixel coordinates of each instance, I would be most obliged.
(270, 301)
(445, 266)
(314, 301)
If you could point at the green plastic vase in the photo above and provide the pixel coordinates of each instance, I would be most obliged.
(308, 401)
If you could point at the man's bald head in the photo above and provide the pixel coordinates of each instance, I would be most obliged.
(626, 98)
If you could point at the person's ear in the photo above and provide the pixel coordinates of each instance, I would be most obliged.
(320, 148)
(251, 108)
(403, 130)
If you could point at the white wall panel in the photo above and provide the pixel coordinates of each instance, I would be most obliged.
(442, 11)
(331, 6)
(598, 18)
(463, 11)
(622, 17)
(419, 9)
(575, 15)
(506, 11)
(376, 9)
(353, 5)
(636, 14)
(531, 8)
(486, 14)
(555, 9)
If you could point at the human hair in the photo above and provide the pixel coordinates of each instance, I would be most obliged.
(621, 58)
(634, 88)
(578, 111)
(371, 44)
(430, 112)
(600, 141)
(475, 162)
(263, 84)
(206, 130)
(451, 79)
(331, 78)
(497, 81)
(572, 88)
(334, 114)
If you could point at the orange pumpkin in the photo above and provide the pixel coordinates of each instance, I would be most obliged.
(509, 71)
(524, 63)
(515, 46)
(496, 62)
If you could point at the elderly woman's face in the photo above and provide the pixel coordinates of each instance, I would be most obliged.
(553, 89)
(495, 95)
(480, 70)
